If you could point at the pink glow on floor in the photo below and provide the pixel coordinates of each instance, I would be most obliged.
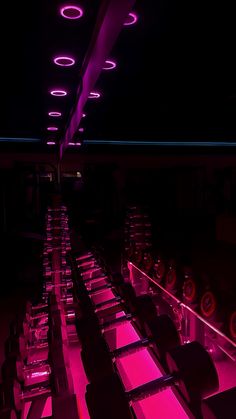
(227, 374)
(47, 411)
(102, 296)
(79, 378)
(121, 335)
(139, 368)
(163, 405)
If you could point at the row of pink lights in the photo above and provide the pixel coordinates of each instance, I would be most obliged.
(73, 12)
(70, 144)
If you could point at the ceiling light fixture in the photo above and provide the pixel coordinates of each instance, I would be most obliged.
(58, 92)
(81, 129)
(64, 61)
(83, 115)
(74, 144)
(71, 12)
(109, 65)
(131, 19)
(94, 95)
(51, 143)
(54, 114)
(52, 128)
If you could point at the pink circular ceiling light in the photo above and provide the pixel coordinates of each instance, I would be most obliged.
(71, 12)
(131, 19)
(64, 61)
(52, 128)
(94, 95)
(58, 92)
(83, 115)
(81, 129)
(109, 65)
(54, 114)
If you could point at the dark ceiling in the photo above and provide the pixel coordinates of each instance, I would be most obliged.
(175, 76)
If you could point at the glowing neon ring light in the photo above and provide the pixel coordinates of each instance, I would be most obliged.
(131, 19)
(54, 114)
(109, 65)
(94, 95)
(52, 128)
(64, 61)
(58, 92)
(71, 12)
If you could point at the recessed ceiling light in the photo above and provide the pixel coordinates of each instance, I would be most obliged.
(83, 115)
(51, 143)
(52, 128)
(58, 92)
(54, 114)
(94, 95)
(71, 12)
(64, 61)
(81, 129)
(131, 19)
(109, 65)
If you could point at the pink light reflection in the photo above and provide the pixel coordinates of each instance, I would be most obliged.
(94, 95)
(52, 128)
(121, 335)
(81, 129)
(131, 19)
(109, 65)
(102, 296)
(51, 143)
(74, 144)
(79, 378)
(58, 92)
(139, 368)
(64, 61)
(54, 114)
(83, 115)
(71, 12)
